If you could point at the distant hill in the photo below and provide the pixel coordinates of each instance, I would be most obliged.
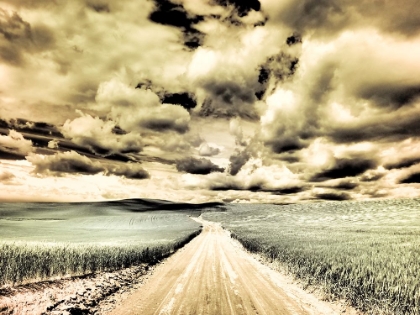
(144, 204)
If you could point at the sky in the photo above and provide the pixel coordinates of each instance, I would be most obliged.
(274, 101)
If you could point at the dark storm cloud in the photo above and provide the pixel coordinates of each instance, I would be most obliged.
(390, 95)
(328, 17)
(338, 196)
(229, 99)
(341, 185)
(237, 160)
(286, 190)
(263, 77)
(391, 128)
(305, 15)
(39, 128)
(344, 168)
(225, 187)
(128, 170)
(104, 149)
(67, 162)
(211, 108)
(45, 138)
(293, 39)
(411, 179)
(73, 163)
(281, 65)
(162, 124)
(289, 157)
(197, 166)
(241, 6)
(229, 92)
(347, 185)
(8, 155)
(385, 93)
(236, 185)
(145, 84)
(184, 99)
(403, 163)
(18, 37)
(172, 14)
(393, 17)
(289, 144)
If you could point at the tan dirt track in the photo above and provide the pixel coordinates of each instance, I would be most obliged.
(213, 275)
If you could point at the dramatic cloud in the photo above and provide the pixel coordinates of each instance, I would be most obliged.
(412, 178)
(74, 163)
(14, 146)
(403, 163)
(254, 101)
(67, 162)
(164, 118)
(253, 178)
(329, 17)
(238, 160)
(197, 166)
(344, 168)
(242, 7)
(183, 99)
(333, 196)
(282, 123)
(347, 185)
(18, 38)
(129, 170)
(137, 109)
(372, 175)
(172, 14)
(101, 137)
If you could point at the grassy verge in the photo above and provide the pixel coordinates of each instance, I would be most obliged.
(29, 262)
(375, 276)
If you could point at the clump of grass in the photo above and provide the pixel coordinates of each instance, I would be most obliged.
(367, 253)
(27, 262)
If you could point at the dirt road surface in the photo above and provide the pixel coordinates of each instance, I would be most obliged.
(213, 275)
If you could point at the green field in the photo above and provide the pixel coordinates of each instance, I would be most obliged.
(366, 252)
(40, 241)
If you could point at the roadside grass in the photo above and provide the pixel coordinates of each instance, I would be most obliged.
(24, 262)
(46, 241)
(365, 252)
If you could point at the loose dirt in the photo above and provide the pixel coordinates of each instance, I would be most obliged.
(214, 275)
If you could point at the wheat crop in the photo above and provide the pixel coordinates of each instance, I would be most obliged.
(365, 252)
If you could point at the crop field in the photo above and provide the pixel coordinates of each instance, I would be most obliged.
(365, 252)
(40, 241)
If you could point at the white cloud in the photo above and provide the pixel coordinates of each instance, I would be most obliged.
(207, 149)
(15, 143)
(98, 135)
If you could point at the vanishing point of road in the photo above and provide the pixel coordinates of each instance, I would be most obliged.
(213, 275)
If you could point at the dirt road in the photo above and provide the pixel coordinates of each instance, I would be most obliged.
(213, 275)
